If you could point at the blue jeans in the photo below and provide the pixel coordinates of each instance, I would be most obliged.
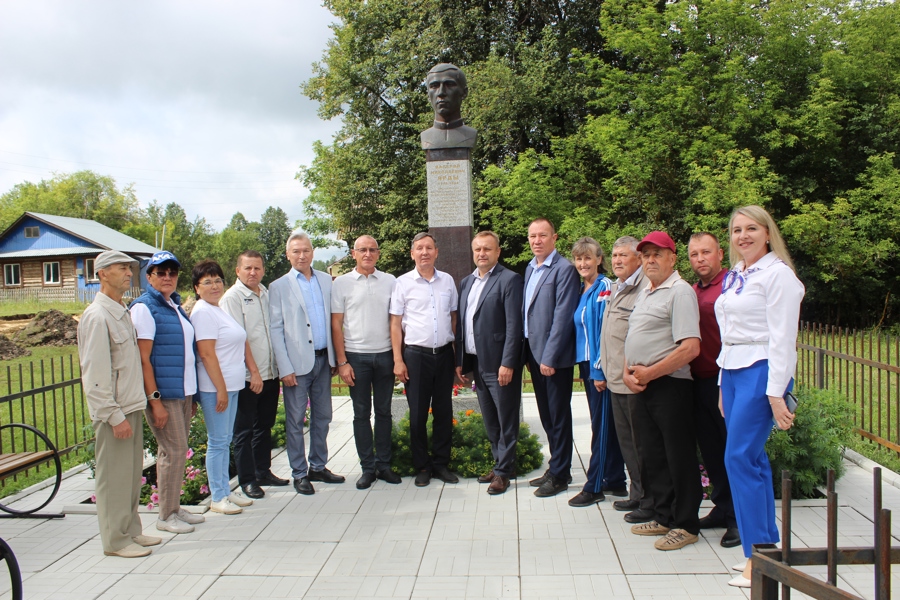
(219, 430)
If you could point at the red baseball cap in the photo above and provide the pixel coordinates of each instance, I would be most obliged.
(657, 238)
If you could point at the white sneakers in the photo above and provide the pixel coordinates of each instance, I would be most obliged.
(189, 517)
(225, 506)
(239, 500)
(174, 525)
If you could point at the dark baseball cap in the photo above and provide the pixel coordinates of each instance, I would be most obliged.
(163, 256)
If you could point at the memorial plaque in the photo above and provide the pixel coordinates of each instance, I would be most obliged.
(449, 193)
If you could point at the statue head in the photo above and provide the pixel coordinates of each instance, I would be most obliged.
(447, 89)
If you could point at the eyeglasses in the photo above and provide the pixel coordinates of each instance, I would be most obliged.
(209, 282)
(164, 274)
(366, 250)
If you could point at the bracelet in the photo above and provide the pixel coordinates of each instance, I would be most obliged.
(346, 362)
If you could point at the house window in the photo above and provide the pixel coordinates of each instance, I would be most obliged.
(12, 275)
(89, 273)
(32, 232)
(51, 273)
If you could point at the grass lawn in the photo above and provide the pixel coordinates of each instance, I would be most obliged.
(29, 308)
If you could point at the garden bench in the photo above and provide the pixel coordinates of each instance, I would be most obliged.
(16, 462)
(15, 575)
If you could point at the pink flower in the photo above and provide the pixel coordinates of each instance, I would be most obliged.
(154, 498)
(192, 475)
(143, 481)
(204, 489)
(150, 506)
(704, 481)
(182, 492)
(94, 498)
(190, 453)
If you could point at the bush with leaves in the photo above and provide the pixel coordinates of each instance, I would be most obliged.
(470, 452)
(814, 444)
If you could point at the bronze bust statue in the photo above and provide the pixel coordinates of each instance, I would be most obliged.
(447, 89)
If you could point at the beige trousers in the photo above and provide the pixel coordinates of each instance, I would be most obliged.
(118, 482)
(172, 455)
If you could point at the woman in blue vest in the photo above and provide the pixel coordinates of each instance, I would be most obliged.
(606, 470)
(166, 342)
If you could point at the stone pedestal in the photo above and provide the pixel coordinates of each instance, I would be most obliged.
(450, 218)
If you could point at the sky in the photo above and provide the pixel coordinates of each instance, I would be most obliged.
(197, 103)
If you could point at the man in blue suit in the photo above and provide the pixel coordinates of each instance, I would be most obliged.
(551, 296)
(489, 346)
(300, 320)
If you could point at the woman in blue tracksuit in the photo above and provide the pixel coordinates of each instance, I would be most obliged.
(758, 314)
(607, 467)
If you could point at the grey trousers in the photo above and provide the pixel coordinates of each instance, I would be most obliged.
(316, 387)
(500, 411)
(118, 482)
(628, 445)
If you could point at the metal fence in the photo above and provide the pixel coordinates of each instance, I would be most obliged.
(52, 295)
(862, 365)
(46, 394)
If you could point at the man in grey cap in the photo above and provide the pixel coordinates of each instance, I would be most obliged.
(113, 385)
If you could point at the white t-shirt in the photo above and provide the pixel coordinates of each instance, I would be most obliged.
(213, 323)
(146, 330)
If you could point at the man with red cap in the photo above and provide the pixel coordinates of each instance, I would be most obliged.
(663, 338)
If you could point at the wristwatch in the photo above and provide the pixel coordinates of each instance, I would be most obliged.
(154, 396)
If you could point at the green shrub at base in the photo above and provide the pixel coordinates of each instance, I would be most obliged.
(470, 452)
(813, 444)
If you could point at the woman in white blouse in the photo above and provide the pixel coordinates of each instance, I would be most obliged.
(758, 314)
(223, 349)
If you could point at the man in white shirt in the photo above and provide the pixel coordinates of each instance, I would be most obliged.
(247, 301)
(423, 321)
(361, 332)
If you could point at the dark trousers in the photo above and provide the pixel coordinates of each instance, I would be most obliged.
(663, 419)
(711, 438)
(373, 379)
(554, 401)
(500, 410)
(253, 431)
(430, 385)
(606, 468)
(621, 405)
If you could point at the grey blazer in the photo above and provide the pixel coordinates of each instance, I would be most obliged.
(292, 338)
(497, 322)
(551, 326)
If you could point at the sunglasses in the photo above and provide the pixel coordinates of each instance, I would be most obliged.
(163, 273)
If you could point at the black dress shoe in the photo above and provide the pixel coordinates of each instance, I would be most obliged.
(325, 476)
(619, 492)
(551, 487)
(252, 490)
(423, 478)
(712, 521)
(303, 486)
(586, 499)
(270, 479)
(731, 538)
(538, 482)
(389, 476)
(366, 481)
(641, 515)
(444, 474)
(626, 505)
(488, 478)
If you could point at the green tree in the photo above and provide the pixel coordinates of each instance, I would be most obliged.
(274, 231)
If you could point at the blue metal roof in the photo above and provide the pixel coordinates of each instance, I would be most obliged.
(96, 234)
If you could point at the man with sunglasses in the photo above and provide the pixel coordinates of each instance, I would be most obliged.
(361, 332)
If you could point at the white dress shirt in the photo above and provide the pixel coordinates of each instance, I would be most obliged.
(758, 316)
(471, 306)
(425, 305)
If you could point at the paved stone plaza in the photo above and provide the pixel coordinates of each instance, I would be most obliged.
(442, 541)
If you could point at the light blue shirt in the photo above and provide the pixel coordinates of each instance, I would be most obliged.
(533, 281)
(315, 307)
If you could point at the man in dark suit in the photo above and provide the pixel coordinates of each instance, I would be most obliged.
(551, 296)
(489, 346)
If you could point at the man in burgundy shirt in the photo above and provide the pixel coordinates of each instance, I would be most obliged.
(706, 262)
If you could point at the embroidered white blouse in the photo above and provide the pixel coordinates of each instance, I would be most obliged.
(758, 315)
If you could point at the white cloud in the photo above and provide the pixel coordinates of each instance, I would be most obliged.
(197, 103)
